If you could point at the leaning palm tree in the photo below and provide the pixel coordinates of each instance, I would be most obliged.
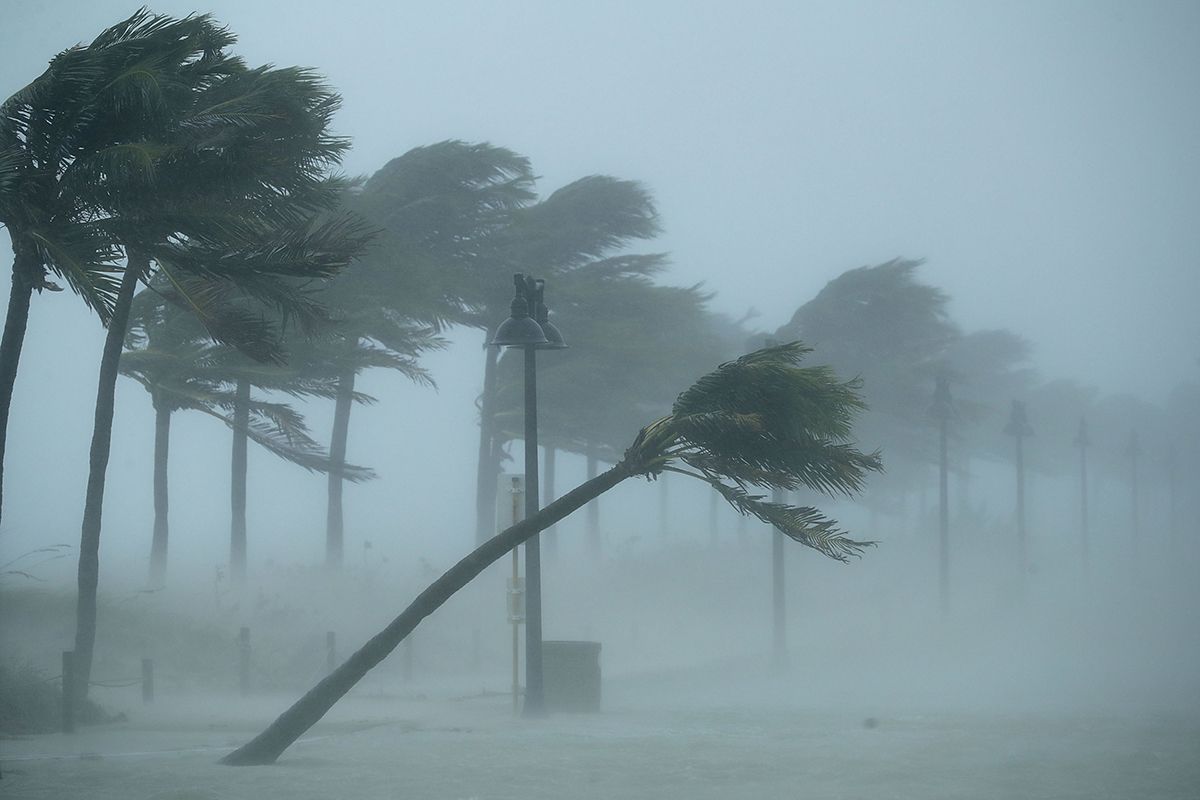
(221, 183)
(84, 104)
(761, 422)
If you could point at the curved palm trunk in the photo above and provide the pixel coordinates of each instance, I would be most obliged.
(291, 725)
(25, 265)
(237, 485)
(89, 542)
(337, 461)
(488, 467)
(162, 444)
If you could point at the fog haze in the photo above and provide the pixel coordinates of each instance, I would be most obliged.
(1042, 158)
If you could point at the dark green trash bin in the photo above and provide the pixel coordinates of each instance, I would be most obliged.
(571, 675)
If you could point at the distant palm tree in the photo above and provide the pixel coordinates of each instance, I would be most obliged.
(170, 354)
(442, 257)
(760, 422)
(572, 239)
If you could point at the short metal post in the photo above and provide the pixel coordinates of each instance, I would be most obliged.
(244, 661)
(68, 691)
(147, 681)
(778, 593)
(330, 651)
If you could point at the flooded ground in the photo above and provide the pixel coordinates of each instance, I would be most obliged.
(659, 736)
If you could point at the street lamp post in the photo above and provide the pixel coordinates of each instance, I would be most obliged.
(1083, 440)
(529, 328)
(1018, 428)
(941, 410)
(1133, 450)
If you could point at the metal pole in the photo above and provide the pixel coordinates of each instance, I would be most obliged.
(943, 518)
(664, 497)
(1082, 440)
(68, 691)
(779, 640)
(712, 515)
(1172, 465)
(516, 638)
(330, 651)
(515, 599)
(1134, 450)
(147, 681)
(534, 698)
(244, 661)
(1021, 551)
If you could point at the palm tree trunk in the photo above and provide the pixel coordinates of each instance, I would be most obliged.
(337, 460)
(25, 265)
(291, 725)
(162, 444)
(487, 468)
(89, 541)
(237, 486)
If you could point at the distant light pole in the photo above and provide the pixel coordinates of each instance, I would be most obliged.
(779, 651)
(1018, 428)
(1172, 470)
(941, 411)
(529, 328)
(1083, 441)
(1133, 450)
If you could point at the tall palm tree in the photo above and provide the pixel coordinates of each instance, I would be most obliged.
(215, 181)
(435, 209)
(760, 422)
(86, 103)
(577, 231)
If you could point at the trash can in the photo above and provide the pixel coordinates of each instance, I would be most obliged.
(571, 675)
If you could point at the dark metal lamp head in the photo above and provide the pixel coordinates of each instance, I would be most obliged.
(520, 329)
(554, 339)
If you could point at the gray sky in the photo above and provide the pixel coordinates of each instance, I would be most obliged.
(1044, 158)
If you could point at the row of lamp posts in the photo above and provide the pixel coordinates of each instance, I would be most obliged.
(1019, 428)
(529, 328)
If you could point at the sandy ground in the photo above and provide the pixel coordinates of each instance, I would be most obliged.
(659, 736)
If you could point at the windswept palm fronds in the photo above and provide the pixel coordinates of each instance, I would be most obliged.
(762, 420)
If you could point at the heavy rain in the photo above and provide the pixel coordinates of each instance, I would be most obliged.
(608, 400)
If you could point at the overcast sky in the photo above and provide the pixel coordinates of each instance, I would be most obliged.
(1044, 158)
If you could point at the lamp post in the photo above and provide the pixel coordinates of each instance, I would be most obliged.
(529, 328)
(1018, 428)
(941, 411)
(1083, 440)
(1133, 450)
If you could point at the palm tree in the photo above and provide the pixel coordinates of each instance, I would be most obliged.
(761, 421)
(435, 209)
(331, 363)
(217, 186)
(170, 354)
(85, 103)
(632, 341)
(574, 232)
